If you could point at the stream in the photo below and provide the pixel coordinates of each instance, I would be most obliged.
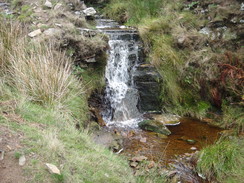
(126, 100)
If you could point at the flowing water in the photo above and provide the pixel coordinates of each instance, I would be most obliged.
(121, 96)
(121, 100)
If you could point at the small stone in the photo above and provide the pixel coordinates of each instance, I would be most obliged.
(35, 33)
(57, 6)
(122, 27)
(143, 140)
(59, 25)
(89, 11)
(52, 32)
(53, 169)
(190, 141)
(22, 160)
(193, 148)
(83, 5)
(77, 12)
(151, 164)
(133, 164)
(1, 155)
(9, 148)
(48, 4)
(139, 158)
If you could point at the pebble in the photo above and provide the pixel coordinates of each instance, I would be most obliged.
(193, 148)
(53, 169)
(35, 33)
(22, 160)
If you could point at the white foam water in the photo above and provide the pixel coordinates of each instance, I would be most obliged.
(120, 93)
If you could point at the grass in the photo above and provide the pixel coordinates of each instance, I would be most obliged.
(44, 100)
(223, 161)
(233, 118)
(44, 77)
(183, 57)
(52, 137)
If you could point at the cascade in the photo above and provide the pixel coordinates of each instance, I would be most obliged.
(121, 95)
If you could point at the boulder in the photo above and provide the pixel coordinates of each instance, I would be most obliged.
(89, 11)
(154, 126)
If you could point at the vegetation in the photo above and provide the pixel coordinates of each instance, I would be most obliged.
(223, 161)
(201, 73)
(43, 99)
(187, 60)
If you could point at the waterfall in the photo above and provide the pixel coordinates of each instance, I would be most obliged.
(121, 96)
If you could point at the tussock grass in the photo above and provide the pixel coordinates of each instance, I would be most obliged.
(44, 77)
(10, 34)
(223, 161)
(45, 102)
(233, 117)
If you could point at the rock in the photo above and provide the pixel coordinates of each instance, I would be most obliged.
(193, 148)
(242, 7)
(154, 126)
(91, 59)
(190, 141)
(1, 155)
(83, 5)
(143, 140)
(52, 32)
(133, 164)
(48, 4)
(35, 33)
(205, 31)
(139, 158)
(53, 169)
(161, 136)
(22, 160)
(166, 119)
(181, 40)
(146, 82)
(57, 6)
(151, 164)
(89, 11)
(40, 25)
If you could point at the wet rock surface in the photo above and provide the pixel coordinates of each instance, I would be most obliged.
(154, 126)
(146, 80)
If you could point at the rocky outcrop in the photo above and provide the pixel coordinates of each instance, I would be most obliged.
(147, 80)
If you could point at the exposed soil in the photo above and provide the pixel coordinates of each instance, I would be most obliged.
(10, 171)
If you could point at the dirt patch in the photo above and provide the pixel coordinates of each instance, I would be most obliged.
(10, 171)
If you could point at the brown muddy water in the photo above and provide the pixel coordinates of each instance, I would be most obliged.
(191, 135)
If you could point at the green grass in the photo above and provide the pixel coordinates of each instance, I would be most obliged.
(233, 117)
(223, 161)
(52, 136)
(43, 100)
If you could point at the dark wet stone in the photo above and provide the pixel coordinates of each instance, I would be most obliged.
(191, 141)
(154, 126)
(146, 80)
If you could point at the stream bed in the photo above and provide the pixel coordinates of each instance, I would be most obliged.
(189, 136)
